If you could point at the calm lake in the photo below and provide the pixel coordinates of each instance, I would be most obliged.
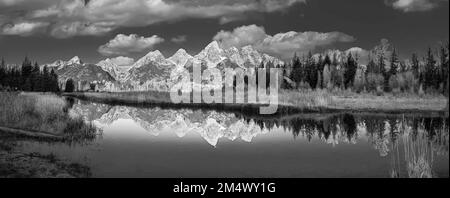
(157, 142)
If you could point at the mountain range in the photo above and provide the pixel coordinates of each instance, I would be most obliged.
(153, 71)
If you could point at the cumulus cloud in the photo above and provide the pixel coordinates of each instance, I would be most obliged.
(22, 28)
(283, 45)
(179, 39)
(80, 17)
(126, 44)
(414, 5)
(122, 61)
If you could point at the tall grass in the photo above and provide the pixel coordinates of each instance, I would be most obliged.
(307, 99)
(42, 113)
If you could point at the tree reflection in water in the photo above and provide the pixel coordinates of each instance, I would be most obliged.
(407, 140)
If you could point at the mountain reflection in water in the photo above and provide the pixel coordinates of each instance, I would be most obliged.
(410, 142)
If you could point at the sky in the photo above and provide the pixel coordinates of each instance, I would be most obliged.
(49, 30)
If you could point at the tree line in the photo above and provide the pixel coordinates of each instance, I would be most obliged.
(383, 73)
(28, 77)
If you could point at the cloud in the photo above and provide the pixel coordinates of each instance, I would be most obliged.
(122, 61)
(283, 45)
(69, 18)
(414, 5)
(179, 39)
(123, 44)
(22, 28)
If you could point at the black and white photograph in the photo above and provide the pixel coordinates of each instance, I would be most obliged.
(236, 89)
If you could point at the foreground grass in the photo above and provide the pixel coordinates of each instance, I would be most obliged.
(42, 113)
(17, 163)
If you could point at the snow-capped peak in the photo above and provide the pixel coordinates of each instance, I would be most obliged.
(59, 64)
(108, 66)
(154, 56)
(250, 55)
(212, 54)
(180, 58)
(74, 60)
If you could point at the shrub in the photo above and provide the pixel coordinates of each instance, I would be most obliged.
(327, 77)
(410, 82)
(374, 82)
(360, 81)
(421, 92)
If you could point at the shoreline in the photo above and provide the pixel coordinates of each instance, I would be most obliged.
(16, 163)
(339, 104)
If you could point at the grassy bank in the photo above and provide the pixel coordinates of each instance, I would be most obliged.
(16, 163)
(41, 114)
(350, 101)
(319, 101)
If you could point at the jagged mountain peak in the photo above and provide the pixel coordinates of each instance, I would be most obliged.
(75, 60)
(153, 56)
(59, 64)
(180, 58)
(180, 53)
(212, 55)
(213, 45)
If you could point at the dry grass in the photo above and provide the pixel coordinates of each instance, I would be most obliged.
(42, 113)
(348, 100)
(306, 98)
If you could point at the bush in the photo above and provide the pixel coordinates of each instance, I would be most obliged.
(410, 82)
(374, 82)
(421, 92)
(360, 81)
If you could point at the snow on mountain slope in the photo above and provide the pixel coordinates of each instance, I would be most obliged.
(154, 72)
(180, 58)
(59, 64)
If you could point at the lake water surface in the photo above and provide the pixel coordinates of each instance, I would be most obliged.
(157, 142)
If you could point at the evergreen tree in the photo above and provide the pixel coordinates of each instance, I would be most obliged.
(35, 78)
(383, 71)
(3, 73)
(394, 63)
(54, 87)
(27, 69)
(444, 59)
(415, 65)
(70, 86)
(45, 79)
(311, 71)
(350, 70)
(429, 69)
(296, 73)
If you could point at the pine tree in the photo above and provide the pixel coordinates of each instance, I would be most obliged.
(54, 81)
(429, 69)
(383, 71)
(350, 70)
(444, 59)
(296, 74)
(27, 67)
(311, 71)
(35, 78)
(70, 86)
(394, 63)
(3, 73)
(415, 65)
